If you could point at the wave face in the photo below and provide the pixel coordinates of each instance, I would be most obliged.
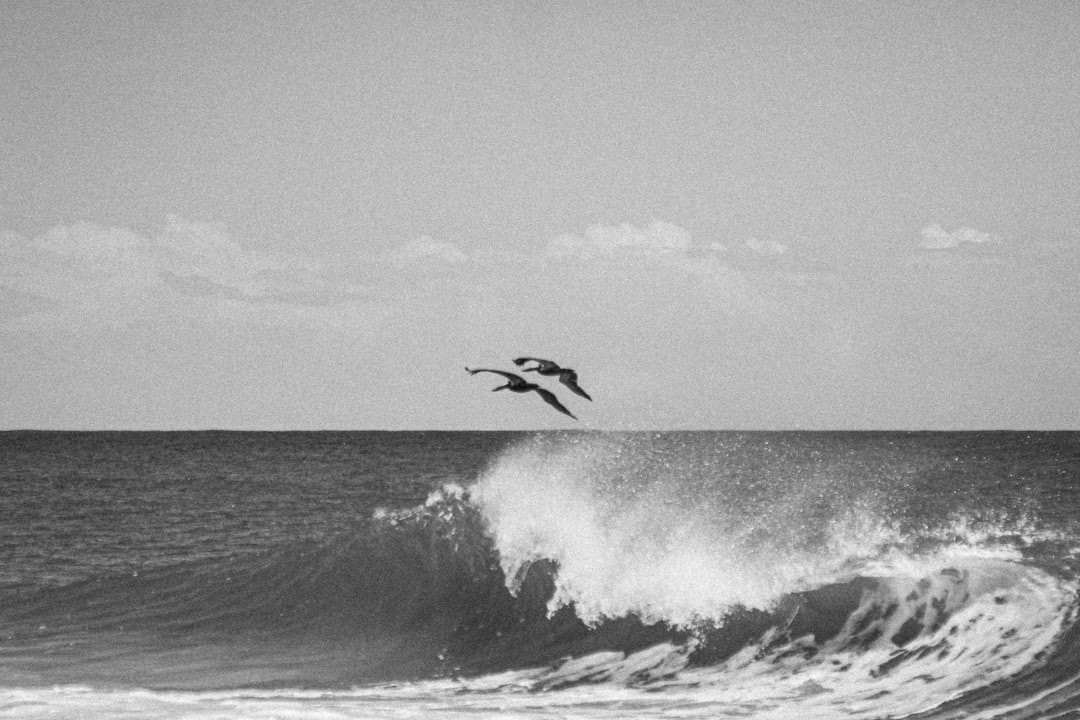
(681, 575)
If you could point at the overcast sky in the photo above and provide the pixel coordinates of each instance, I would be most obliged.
(785, 215)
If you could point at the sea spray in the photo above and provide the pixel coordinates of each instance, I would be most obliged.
(662, 533)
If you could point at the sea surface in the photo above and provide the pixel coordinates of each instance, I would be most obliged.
(539, 575)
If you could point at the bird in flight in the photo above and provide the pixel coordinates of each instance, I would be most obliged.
(518, 384)
(546, 367)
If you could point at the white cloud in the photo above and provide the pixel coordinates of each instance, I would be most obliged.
(82, 274)
(766, 247)
(934, 237)
(88, 242)
(203, 259)
(426, 249)
(642, 266)
(605, 241)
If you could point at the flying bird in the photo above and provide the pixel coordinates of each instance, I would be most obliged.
(518, 384)
(545, 367)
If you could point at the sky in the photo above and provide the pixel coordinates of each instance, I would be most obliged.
(723, 215)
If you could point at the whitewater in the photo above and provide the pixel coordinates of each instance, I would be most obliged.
(534, 575)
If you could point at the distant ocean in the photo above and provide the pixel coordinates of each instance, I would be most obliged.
(539, 575)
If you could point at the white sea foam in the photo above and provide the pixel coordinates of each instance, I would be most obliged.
(994, 620)
(628, 540)
(634, 535)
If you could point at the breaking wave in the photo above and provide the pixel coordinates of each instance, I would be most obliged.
(595, 562)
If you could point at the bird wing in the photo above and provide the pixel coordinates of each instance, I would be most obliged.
(522, 360)
(569, 379)
(550, 399)
(508, 375)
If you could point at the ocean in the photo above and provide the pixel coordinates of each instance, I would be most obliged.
(539, 575)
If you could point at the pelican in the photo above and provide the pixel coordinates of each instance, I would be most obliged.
(518, 384)
(545, 367)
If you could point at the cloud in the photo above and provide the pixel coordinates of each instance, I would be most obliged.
(199, 286)
(88, 242)
(934, 237)
(766, 247)
(203, 259)
(647, 267)
(658, 240)
(604, 241)
(426, 250)
(84, 274)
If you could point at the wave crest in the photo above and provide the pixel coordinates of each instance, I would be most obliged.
(663, 536)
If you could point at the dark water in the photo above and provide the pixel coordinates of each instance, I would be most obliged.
(569, 574)
(80, 503)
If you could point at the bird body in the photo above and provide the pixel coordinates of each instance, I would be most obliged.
(546, 367)
(518, 384)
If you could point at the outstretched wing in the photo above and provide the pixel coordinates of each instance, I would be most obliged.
(569, 379)
(508, 375)
(550, 399)
(522, 360)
